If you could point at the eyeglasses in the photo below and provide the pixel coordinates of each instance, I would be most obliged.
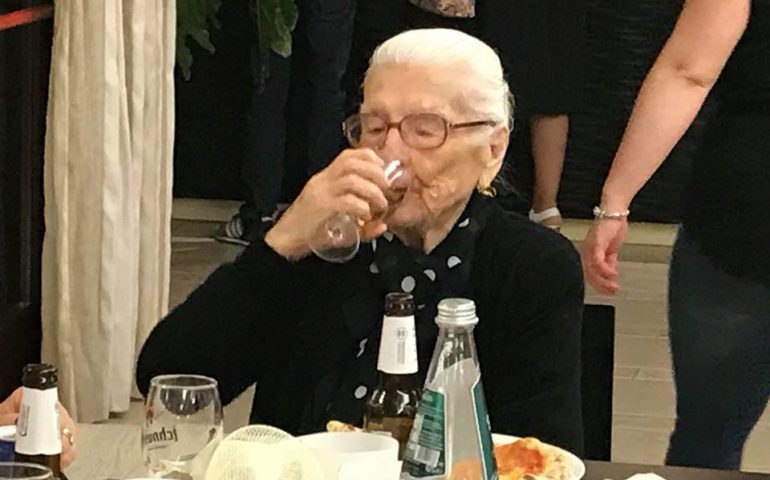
(419, 130)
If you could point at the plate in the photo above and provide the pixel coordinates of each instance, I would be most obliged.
(576, 466)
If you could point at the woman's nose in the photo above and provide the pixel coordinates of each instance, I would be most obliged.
(394, 148)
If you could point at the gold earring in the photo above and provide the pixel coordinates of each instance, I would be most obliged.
(489, 190)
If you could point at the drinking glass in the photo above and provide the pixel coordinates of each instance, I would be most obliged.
(338, 239)
(183, 425)
(24, 471)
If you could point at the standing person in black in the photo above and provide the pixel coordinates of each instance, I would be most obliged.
(321, 49)
(719, 284)
(542, 43)
(307, 332)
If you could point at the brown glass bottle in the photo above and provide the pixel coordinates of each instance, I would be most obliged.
(393, 405)
(38, 438)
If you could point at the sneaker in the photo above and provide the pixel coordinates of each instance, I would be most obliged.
(550, 217)
(237, 232)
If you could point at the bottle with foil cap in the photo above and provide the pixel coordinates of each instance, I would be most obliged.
(38, 438)
(451, 437)
(393, 404)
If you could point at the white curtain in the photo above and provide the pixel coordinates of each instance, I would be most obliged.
(108, 173)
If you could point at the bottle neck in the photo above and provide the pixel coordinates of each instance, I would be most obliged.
(456, 344)
(391, 381)
(398, 347)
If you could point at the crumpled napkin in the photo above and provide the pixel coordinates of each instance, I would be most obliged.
(646, 476)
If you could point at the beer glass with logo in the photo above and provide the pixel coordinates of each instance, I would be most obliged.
(24, 471)
(182, 426)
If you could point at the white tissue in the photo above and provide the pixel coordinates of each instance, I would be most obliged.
(646, 476)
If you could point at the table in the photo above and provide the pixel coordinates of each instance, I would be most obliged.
(113, 451)
(615, 471)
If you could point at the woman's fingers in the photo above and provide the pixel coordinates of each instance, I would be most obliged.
(69, 432)
(364, 189)
(353, 205)
(362, 163)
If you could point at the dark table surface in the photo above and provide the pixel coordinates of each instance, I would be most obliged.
(619, 471)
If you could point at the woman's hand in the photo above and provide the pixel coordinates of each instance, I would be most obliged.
(9, 413)
(352, 184)
(600, 254)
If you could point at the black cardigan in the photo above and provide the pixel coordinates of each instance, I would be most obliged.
(284, 325)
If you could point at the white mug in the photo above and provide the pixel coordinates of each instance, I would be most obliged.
(355, 455)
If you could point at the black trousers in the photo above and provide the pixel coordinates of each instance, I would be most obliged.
(302, 101)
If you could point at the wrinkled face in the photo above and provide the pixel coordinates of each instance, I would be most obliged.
(443, 177)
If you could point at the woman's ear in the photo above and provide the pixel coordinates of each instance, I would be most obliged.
(498, 144)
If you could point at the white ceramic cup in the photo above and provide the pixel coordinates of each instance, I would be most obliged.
(355, 455)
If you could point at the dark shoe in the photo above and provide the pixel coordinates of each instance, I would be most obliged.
(238, 232)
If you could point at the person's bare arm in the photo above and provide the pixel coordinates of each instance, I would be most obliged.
(671, 96)
(673, 92)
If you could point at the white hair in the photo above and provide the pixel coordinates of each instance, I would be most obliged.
(483, 71)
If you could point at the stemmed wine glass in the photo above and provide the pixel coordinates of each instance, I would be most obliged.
(338, 239)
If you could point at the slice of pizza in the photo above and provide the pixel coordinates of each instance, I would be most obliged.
(523, 457)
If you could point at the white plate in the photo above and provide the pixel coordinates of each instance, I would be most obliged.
(576, 465)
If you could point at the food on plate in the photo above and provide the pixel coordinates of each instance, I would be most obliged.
(337, 426)
(530, 458)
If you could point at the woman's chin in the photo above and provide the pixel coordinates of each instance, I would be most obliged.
(406, 215)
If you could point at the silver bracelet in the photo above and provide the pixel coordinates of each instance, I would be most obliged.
(602, 214)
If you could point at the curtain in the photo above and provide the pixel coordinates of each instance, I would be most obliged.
(108, 174)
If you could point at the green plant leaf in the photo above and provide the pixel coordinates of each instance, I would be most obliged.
(276, 20)
(193, 19)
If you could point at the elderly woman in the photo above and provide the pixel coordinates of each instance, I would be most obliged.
(306, 331)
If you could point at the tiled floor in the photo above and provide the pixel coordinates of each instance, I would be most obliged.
(644, 393)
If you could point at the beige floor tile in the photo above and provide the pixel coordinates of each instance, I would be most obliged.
(642, 422)
(765, 420)
(642, 351)
(625, 373)
(656, 374)
(641, 317)
(644, 397)
(756, 458)
(643, 446)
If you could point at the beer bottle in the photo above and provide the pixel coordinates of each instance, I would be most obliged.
(393, 404)
(38, 439)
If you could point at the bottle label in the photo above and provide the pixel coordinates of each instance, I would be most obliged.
(398, 347)
(484, 431)
(37, 430)
(425, 455)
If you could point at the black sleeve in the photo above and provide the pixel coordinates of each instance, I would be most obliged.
(229, 326)
(536, 356)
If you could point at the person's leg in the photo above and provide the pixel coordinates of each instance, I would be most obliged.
(720, 343)
(328, 36)
(262, 168)
(549, 146)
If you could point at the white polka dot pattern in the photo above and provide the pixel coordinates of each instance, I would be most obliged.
(408, 284)
(360, 392)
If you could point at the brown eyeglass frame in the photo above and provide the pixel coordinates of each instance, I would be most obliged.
(449, 127)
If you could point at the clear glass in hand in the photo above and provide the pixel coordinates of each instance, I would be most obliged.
(24, 471)
(182, 426)
(338, 239)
